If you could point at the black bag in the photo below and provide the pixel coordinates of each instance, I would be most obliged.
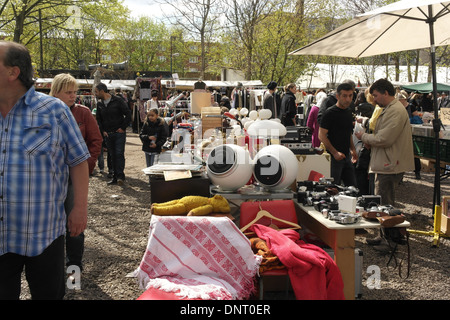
(363, 159)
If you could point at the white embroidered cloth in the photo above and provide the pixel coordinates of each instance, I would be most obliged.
(198, 257)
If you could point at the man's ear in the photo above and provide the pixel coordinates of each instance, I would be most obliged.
(13, 73)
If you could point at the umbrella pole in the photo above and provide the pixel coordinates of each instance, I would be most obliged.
(436, 233)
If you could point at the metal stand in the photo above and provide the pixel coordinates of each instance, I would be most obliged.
(436, 233)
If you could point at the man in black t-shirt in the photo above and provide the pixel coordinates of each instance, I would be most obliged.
(336, 129)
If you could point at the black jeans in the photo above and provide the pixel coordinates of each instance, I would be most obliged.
(45, 273)
(343, 171)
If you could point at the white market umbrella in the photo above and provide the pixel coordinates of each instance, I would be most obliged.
(403, 25)
(400, 26)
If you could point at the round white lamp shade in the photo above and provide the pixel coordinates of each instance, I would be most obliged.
(229, 167)
(275, 167)
(253, 115)
(243, 112)
(265, 114)
(266, 129)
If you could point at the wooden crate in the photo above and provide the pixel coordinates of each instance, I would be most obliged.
(210, 123)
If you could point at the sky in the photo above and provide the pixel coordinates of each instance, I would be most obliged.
(144, 8)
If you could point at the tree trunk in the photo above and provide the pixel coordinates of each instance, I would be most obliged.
(18, 29)
(417, 65)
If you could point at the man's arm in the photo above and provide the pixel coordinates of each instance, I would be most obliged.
(126, 116)
(77, 220)
(323, 136)
(353, 150)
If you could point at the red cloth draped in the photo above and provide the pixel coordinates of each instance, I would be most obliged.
(313, 273)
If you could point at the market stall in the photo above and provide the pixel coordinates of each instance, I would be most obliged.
(254, 159)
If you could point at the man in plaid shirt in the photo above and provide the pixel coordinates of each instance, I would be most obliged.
(40, 146)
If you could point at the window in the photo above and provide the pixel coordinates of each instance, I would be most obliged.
(193, 70)
(193, 60)
(106, 57)
(162, 58)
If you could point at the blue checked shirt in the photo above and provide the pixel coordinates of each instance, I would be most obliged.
(39, 141)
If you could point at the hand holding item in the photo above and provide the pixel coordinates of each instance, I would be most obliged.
(152, 141)
(359, 134)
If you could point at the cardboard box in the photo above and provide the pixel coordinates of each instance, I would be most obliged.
(445, 224)
(427, 165)
(210, 111)
(200, 100)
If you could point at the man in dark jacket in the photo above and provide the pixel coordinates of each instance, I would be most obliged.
(113, 116)
(288, 108)
(270, 100)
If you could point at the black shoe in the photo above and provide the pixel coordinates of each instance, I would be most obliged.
(385, 247)
(373, 242)
(113, 181)
(418, 177)
(110, 175)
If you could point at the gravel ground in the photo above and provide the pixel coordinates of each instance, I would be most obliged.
(117, 231)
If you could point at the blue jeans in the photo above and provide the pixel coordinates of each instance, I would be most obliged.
(116, 148)
(343, 171)
(101, 159)
(150, 158)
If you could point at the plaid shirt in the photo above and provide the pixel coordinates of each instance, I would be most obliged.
(39, 141)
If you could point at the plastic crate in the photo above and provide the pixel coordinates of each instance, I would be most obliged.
(445, 150)
(426, 147)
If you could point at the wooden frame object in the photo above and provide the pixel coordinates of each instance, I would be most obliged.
(445, 206)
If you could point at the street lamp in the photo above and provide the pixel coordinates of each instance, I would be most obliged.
(176, 54)
(171, 52)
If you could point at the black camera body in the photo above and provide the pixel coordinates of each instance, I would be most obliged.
(323, 193)
(368, 201)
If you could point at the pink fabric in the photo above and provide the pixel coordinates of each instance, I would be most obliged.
(198, 257)
(313, 274)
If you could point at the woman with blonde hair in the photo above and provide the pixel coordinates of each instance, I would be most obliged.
(65, 87)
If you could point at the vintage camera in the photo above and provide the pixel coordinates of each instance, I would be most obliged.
(376, 208)
(367, 201)
(349, 191)
(343, 218)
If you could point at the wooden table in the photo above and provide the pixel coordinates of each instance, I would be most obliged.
(341, 238)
